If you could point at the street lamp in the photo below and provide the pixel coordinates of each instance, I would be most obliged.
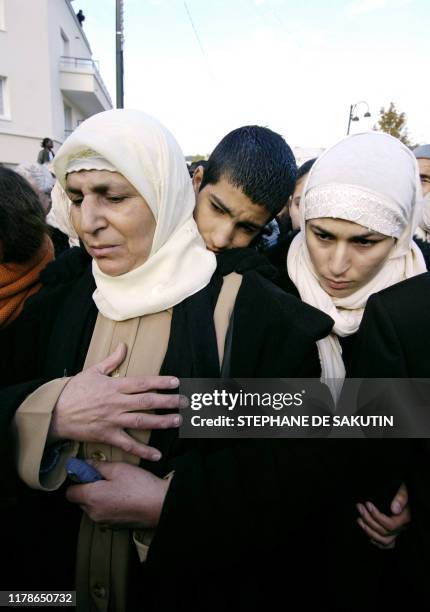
(353, 116)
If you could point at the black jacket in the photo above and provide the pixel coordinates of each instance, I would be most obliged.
(394, 336)
(394, 342)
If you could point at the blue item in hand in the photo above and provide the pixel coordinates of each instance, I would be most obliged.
(80, 471)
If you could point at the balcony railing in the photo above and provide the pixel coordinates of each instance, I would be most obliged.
(87, 65)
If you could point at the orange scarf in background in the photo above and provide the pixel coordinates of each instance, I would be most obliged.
(20, 280)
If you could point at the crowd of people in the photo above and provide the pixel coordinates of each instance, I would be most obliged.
(139, 273)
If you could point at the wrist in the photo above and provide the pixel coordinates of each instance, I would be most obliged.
(54, 433)
(162, 488)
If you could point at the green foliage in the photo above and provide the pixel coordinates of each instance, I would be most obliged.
(198, 157)
(394, 123)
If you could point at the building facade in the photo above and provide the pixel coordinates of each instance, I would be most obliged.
(49, 82)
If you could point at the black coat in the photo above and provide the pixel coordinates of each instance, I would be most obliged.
(246, 523)
(394, 342)
(394, 336)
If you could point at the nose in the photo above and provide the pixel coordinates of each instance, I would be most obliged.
(339, 262)
(90, 218)
(222, 236)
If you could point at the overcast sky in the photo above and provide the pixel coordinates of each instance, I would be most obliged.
(294, 66)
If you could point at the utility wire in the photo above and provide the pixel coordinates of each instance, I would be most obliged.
(198, 39)
(264, 15)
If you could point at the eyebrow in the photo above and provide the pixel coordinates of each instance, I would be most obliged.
(101, 189)
(226, 209)
(324, 231)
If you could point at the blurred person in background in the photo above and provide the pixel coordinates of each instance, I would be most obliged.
(41, 180)
(282, 229)
(46, 153)
(293, 203)
(422, 235)
(25, 247)
(194, 165)
(81, 17)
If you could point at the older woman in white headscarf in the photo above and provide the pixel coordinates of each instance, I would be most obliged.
(131, 203)
(359, 211)
(146, 156)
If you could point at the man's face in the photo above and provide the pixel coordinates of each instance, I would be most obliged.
(424, 166)
(225, 216)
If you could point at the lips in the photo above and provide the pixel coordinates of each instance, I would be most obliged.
(103, 250)
(337, 284)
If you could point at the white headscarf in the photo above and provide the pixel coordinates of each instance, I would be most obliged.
(59, 215)
(371, 179)
(146, 154)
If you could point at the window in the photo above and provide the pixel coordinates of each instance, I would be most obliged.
(68, 129)
(65, 50)
(3, 98)
(2, 16)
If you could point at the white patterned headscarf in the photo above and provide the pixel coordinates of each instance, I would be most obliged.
(370, 179)
(146, 154)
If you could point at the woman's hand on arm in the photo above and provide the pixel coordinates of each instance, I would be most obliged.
(95, 407)
(382, 529)
(128, 497)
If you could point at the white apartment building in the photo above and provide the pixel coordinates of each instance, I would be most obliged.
(49, 82)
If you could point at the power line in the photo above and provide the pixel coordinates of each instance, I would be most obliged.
(198, 39)
(264, 15)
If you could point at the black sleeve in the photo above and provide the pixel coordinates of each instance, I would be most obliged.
(378, 352)
(249, 500)
(12, 397)
(275, 333)
(50, 337)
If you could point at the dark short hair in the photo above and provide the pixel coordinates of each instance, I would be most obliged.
(194, 165)
(305, 168)
(22, 219)
(45, 142)
(259, 162)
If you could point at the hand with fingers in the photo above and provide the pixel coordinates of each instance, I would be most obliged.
(382, 529)
(94, 407)
(129, 496)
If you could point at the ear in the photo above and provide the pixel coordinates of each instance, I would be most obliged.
(197, 179)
